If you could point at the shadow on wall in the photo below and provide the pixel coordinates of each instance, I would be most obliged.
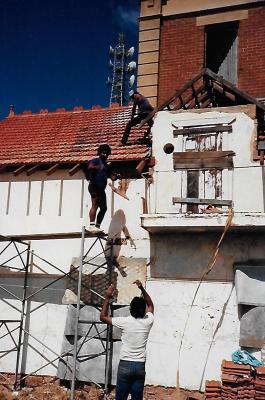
(99, 270)
(116, 228)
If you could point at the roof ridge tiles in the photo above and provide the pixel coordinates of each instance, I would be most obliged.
(77, 109)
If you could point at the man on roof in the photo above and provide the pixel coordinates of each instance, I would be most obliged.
(97, 172)
(144, 109)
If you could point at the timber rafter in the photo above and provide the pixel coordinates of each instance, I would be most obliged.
(208, 90)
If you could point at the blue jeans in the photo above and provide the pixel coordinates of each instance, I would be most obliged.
(130, 379)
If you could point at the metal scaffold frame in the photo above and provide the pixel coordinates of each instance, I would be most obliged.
(27, 258)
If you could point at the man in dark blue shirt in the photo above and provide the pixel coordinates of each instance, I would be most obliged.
(97, 173)
(144, 109)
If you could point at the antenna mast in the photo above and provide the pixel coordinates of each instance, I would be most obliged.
(123, 68)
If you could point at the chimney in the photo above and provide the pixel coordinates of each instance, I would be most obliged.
(11, 111)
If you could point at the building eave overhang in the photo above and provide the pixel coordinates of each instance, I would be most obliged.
(173, 223)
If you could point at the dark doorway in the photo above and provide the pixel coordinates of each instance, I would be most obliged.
(221, 49)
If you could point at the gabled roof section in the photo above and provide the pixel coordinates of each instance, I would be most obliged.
(207, 90)
(67, 137)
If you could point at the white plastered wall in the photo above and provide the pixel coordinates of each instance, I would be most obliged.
(203, 346)
(243, 185)
(57, 204)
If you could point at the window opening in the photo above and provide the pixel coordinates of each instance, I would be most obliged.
(221, 42)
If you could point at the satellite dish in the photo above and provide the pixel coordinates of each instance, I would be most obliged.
(131, 80)
(131, 66)
(130, 52)
(110, 64)
(108, 81)
(111, 50)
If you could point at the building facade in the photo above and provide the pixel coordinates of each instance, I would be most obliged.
(177, 39)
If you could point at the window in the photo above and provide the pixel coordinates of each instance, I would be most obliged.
(221, 41)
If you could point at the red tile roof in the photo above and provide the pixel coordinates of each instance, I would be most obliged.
(67, 136)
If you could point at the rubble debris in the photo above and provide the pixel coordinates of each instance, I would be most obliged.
(52, 391)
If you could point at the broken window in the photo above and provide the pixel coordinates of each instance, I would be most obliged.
(204, 166)
(221, 42)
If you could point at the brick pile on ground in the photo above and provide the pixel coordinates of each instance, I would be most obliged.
(213, 390)
(237, 381)
(259, 383)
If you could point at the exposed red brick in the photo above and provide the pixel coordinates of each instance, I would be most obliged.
(251, 60)
(181, 54)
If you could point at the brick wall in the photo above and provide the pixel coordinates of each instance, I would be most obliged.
(181, 54)
(251, 60)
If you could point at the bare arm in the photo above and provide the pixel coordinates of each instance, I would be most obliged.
(104, 317)
(133, 110)
(148, 300)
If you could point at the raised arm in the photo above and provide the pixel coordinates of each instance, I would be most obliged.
(148, 300)
(104, 317)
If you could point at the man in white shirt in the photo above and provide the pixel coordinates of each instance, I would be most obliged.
(135, 331)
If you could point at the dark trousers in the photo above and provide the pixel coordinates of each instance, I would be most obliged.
(130, 380)
(135, 121)
(100, 196)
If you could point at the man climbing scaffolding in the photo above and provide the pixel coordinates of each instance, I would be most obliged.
(144, 109)
(97, 172)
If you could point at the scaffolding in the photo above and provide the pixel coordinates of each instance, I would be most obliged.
(17, 260)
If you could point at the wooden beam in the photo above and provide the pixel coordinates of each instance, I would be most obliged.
(195, 92)
(202, 154)
(178, 93)
(195, 101)
(206, 103)
(48, 236)
(234, 89)
(141, 166)
(202, 130)
(52, 169)
(74, 169)
(201, 96)
(203, 160)
(19, 170)
(117, 191)
(191, 200)
(222, 90)
(33, 169)
(152, 162)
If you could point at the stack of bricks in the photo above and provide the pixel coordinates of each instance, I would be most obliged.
(213, 390)
(237, 381)
(260, 383)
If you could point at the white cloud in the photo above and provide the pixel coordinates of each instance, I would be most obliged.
(128, 17)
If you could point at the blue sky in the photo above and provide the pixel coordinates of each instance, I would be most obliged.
(54, 53)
